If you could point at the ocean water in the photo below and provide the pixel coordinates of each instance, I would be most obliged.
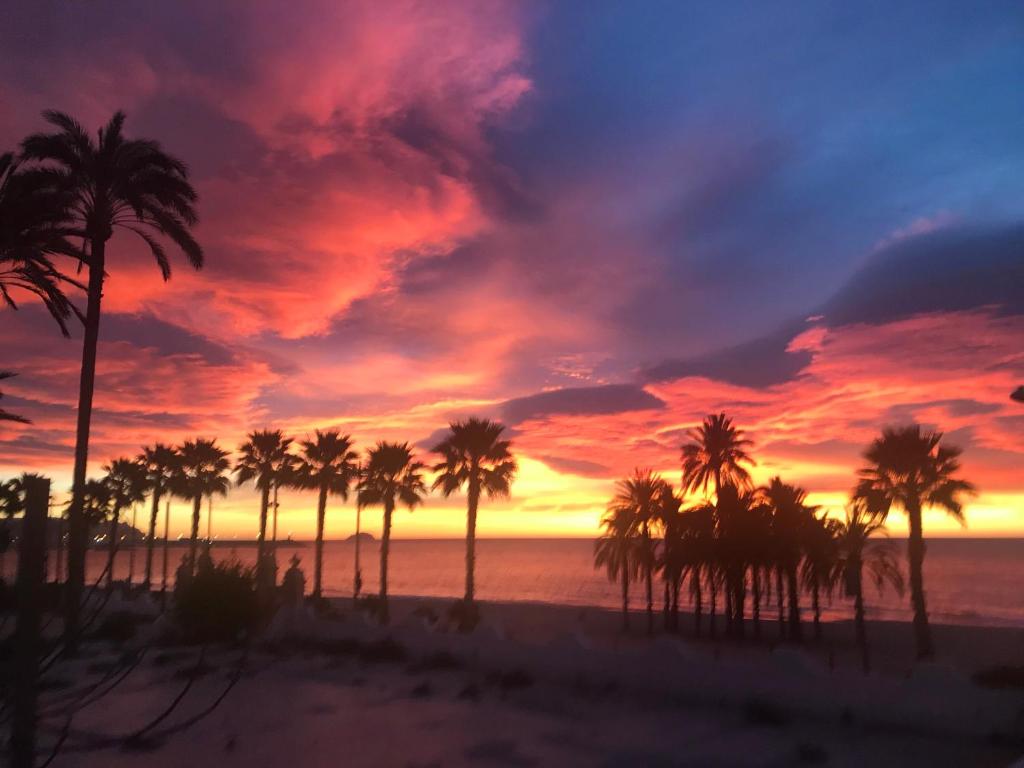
(967, 581)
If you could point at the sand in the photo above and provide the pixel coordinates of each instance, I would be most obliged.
(541, 685)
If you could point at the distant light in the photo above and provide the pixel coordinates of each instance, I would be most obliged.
(1018, 394)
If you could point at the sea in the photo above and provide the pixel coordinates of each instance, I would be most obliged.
(967, 581)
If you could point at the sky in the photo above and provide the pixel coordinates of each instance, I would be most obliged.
(596, 222)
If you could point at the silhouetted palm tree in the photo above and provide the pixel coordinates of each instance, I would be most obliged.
(5, 415)
(474, 455)
(391, 475)
(819, 571)
(201, 472)
(913, 470)
(34, 227)
(716, 456)
(327, 465)
(127, 481)
(790, 515)
(674, 558)
(12, 502)
(114, 183)
(617, 552)
(161, 465)
(262, 456)
(857, 550)
(643, 495)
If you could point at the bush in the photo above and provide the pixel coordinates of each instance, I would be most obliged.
(218, 603)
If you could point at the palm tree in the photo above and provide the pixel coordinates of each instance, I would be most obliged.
(391, 475)
(283, 477)
(616, 552)
(473, 454)
(6, 415)
(857, 550)
(114, 183)
(819, 571)
(328, 465)
(126, 480)
(790, 515)
(201, 470)
(698, 525)
(643, 495)
(716, 455)
(262, 456)
(913, 470)
(674, 555)
(34, 227)
(160, 463)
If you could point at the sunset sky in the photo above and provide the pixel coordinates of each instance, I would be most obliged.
(594, 221)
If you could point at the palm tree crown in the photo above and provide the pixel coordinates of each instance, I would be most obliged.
(262, 457)
(116, 182)
(391, 473)
(716, 455)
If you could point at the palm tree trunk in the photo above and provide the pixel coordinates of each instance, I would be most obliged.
(649, 578)
(473, 496)
(150, 543)
(357, 583)
(625, 599)
(112, 547)
(318, 563)
(677, 584)
(755, 596)
(274, 533)
(739, 604)
(795, 630)
(131, 552)
(779, 599)
(667, 609)
(713, 604)
(860, 625)
(385, 548)
(209, 518)
(816, 604)
(261, 541)
(915, 559)
(167, 544)
(78, 532)
(193, 544)
(697, 600)
(728, 606)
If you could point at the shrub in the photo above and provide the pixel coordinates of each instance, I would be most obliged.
(464, 616)
(218, 603)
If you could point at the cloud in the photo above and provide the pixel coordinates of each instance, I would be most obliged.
(609, 399)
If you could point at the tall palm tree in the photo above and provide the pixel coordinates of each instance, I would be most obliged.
(114, 183)
(12, 502)
(35, 224)
(913, 470)
(790, 516)
(643, 495)
(328, 465)
(716, 455)
(474, 455)
(126, 479)
(283, 477)
(262, 455)
(616, 551)
(390, 475)
(6, 415)
(699, 537)
(857, 550)
(201, 471)
(819, 571)
(160, 462)
(674, 559)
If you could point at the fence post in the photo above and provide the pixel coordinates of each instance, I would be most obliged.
(31, 562)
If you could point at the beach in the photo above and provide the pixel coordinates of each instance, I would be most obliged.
(541, 685)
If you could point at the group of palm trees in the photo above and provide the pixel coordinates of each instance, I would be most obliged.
(767, 543)
(473, 456)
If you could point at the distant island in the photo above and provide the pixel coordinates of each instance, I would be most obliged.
(362, 536)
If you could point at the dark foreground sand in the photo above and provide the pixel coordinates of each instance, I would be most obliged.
(537, 685)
